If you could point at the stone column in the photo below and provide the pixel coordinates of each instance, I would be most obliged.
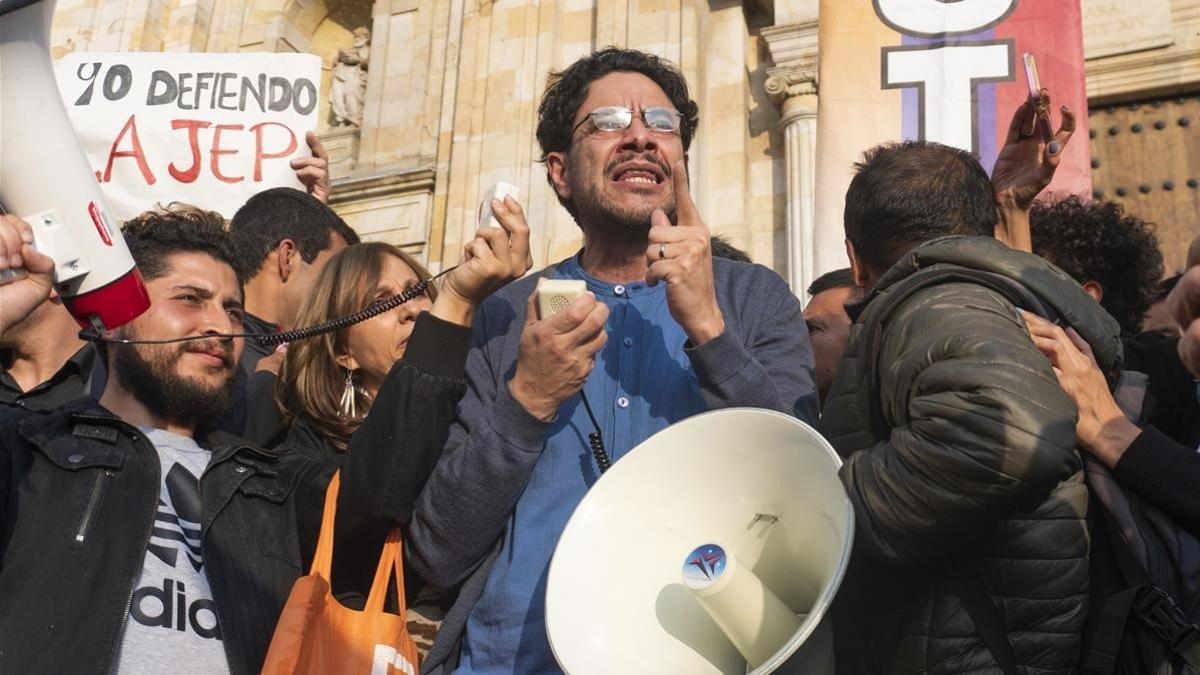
(792, 84)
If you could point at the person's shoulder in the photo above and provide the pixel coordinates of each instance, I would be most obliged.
(751, 276)
(19, 419)
(944, 308)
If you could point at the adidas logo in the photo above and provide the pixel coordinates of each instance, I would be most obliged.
(174, 611)
(178, 523)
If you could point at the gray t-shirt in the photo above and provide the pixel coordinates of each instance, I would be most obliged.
(172, 623)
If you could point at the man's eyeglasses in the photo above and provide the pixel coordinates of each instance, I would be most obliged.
(618, 118)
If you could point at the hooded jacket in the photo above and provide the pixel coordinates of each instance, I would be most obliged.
(980, 468)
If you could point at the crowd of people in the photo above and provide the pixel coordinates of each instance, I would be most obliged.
(159, 497)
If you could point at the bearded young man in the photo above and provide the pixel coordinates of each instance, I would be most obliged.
(665, 332)
(132, 540)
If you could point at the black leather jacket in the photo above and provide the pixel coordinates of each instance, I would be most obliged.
(79, 490)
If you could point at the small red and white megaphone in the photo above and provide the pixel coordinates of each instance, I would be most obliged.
(45, 178)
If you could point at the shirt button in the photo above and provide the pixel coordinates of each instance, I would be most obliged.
(622, 402)
(75, 459)
(240, 469)
(628, 342)
(619, 289)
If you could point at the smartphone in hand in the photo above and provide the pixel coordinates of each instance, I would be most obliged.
(1031, 76)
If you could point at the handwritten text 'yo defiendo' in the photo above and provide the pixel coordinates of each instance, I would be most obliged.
(201, 91)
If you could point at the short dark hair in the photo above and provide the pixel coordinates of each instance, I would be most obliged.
(281, 213)
(567, 89)
(830, 280)
(721, 248)
(154, 235)
(1098, 241)
(905, 194)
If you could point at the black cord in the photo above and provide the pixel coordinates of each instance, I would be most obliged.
(595, 440)
(275, 339)
(375, 309)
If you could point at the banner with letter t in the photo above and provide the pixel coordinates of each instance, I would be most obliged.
(950, 72)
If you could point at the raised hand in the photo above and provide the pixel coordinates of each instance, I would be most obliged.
(313, 171)
(681, 256)
(496, 256)
(35, 272)
(1031, 153)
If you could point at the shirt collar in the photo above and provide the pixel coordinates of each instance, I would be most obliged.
(81, 363)
(572, 269)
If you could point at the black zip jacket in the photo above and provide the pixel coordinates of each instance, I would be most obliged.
(79, 491)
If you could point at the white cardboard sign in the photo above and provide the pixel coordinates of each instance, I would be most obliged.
(206, 129)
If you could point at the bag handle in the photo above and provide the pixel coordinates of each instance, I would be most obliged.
(390, 563)
(323, 558)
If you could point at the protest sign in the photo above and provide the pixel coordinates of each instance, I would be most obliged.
(205, 129)
(949, 72)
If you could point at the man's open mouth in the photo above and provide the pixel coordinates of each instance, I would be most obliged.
(639, 173)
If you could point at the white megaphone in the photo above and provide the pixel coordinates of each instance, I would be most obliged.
(716, 546)
(45, 178)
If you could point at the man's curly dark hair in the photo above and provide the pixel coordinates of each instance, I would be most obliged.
(176, 228)
(566, 90)
(1099, 242)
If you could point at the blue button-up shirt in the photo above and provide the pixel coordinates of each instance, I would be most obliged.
(642, 382)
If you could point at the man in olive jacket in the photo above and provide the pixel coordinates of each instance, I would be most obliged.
(959, 445)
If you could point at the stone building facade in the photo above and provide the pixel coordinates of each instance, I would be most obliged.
(452, 90)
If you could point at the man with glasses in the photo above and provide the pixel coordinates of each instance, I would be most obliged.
(665, 332)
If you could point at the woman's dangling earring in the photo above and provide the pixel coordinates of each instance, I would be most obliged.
(349, 409)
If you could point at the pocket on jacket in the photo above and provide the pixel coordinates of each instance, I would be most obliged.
(269, 518)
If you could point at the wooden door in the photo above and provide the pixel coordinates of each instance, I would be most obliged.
(1146, 156)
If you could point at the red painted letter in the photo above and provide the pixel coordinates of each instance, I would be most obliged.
(193, 127)
(136, 152)
(217, 152)
(259, 155)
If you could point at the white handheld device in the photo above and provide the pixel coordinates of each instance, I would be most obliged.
(498, 191)
(553, 295)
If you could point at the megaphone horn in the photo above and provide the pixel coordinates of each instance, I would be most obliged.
(724, 539)
(45, 178)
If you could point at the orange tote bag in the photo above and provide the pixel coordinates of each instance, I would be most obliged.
(317, 635)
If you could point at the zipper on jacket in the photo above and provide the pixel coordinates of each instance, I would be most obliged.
(93, 503)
